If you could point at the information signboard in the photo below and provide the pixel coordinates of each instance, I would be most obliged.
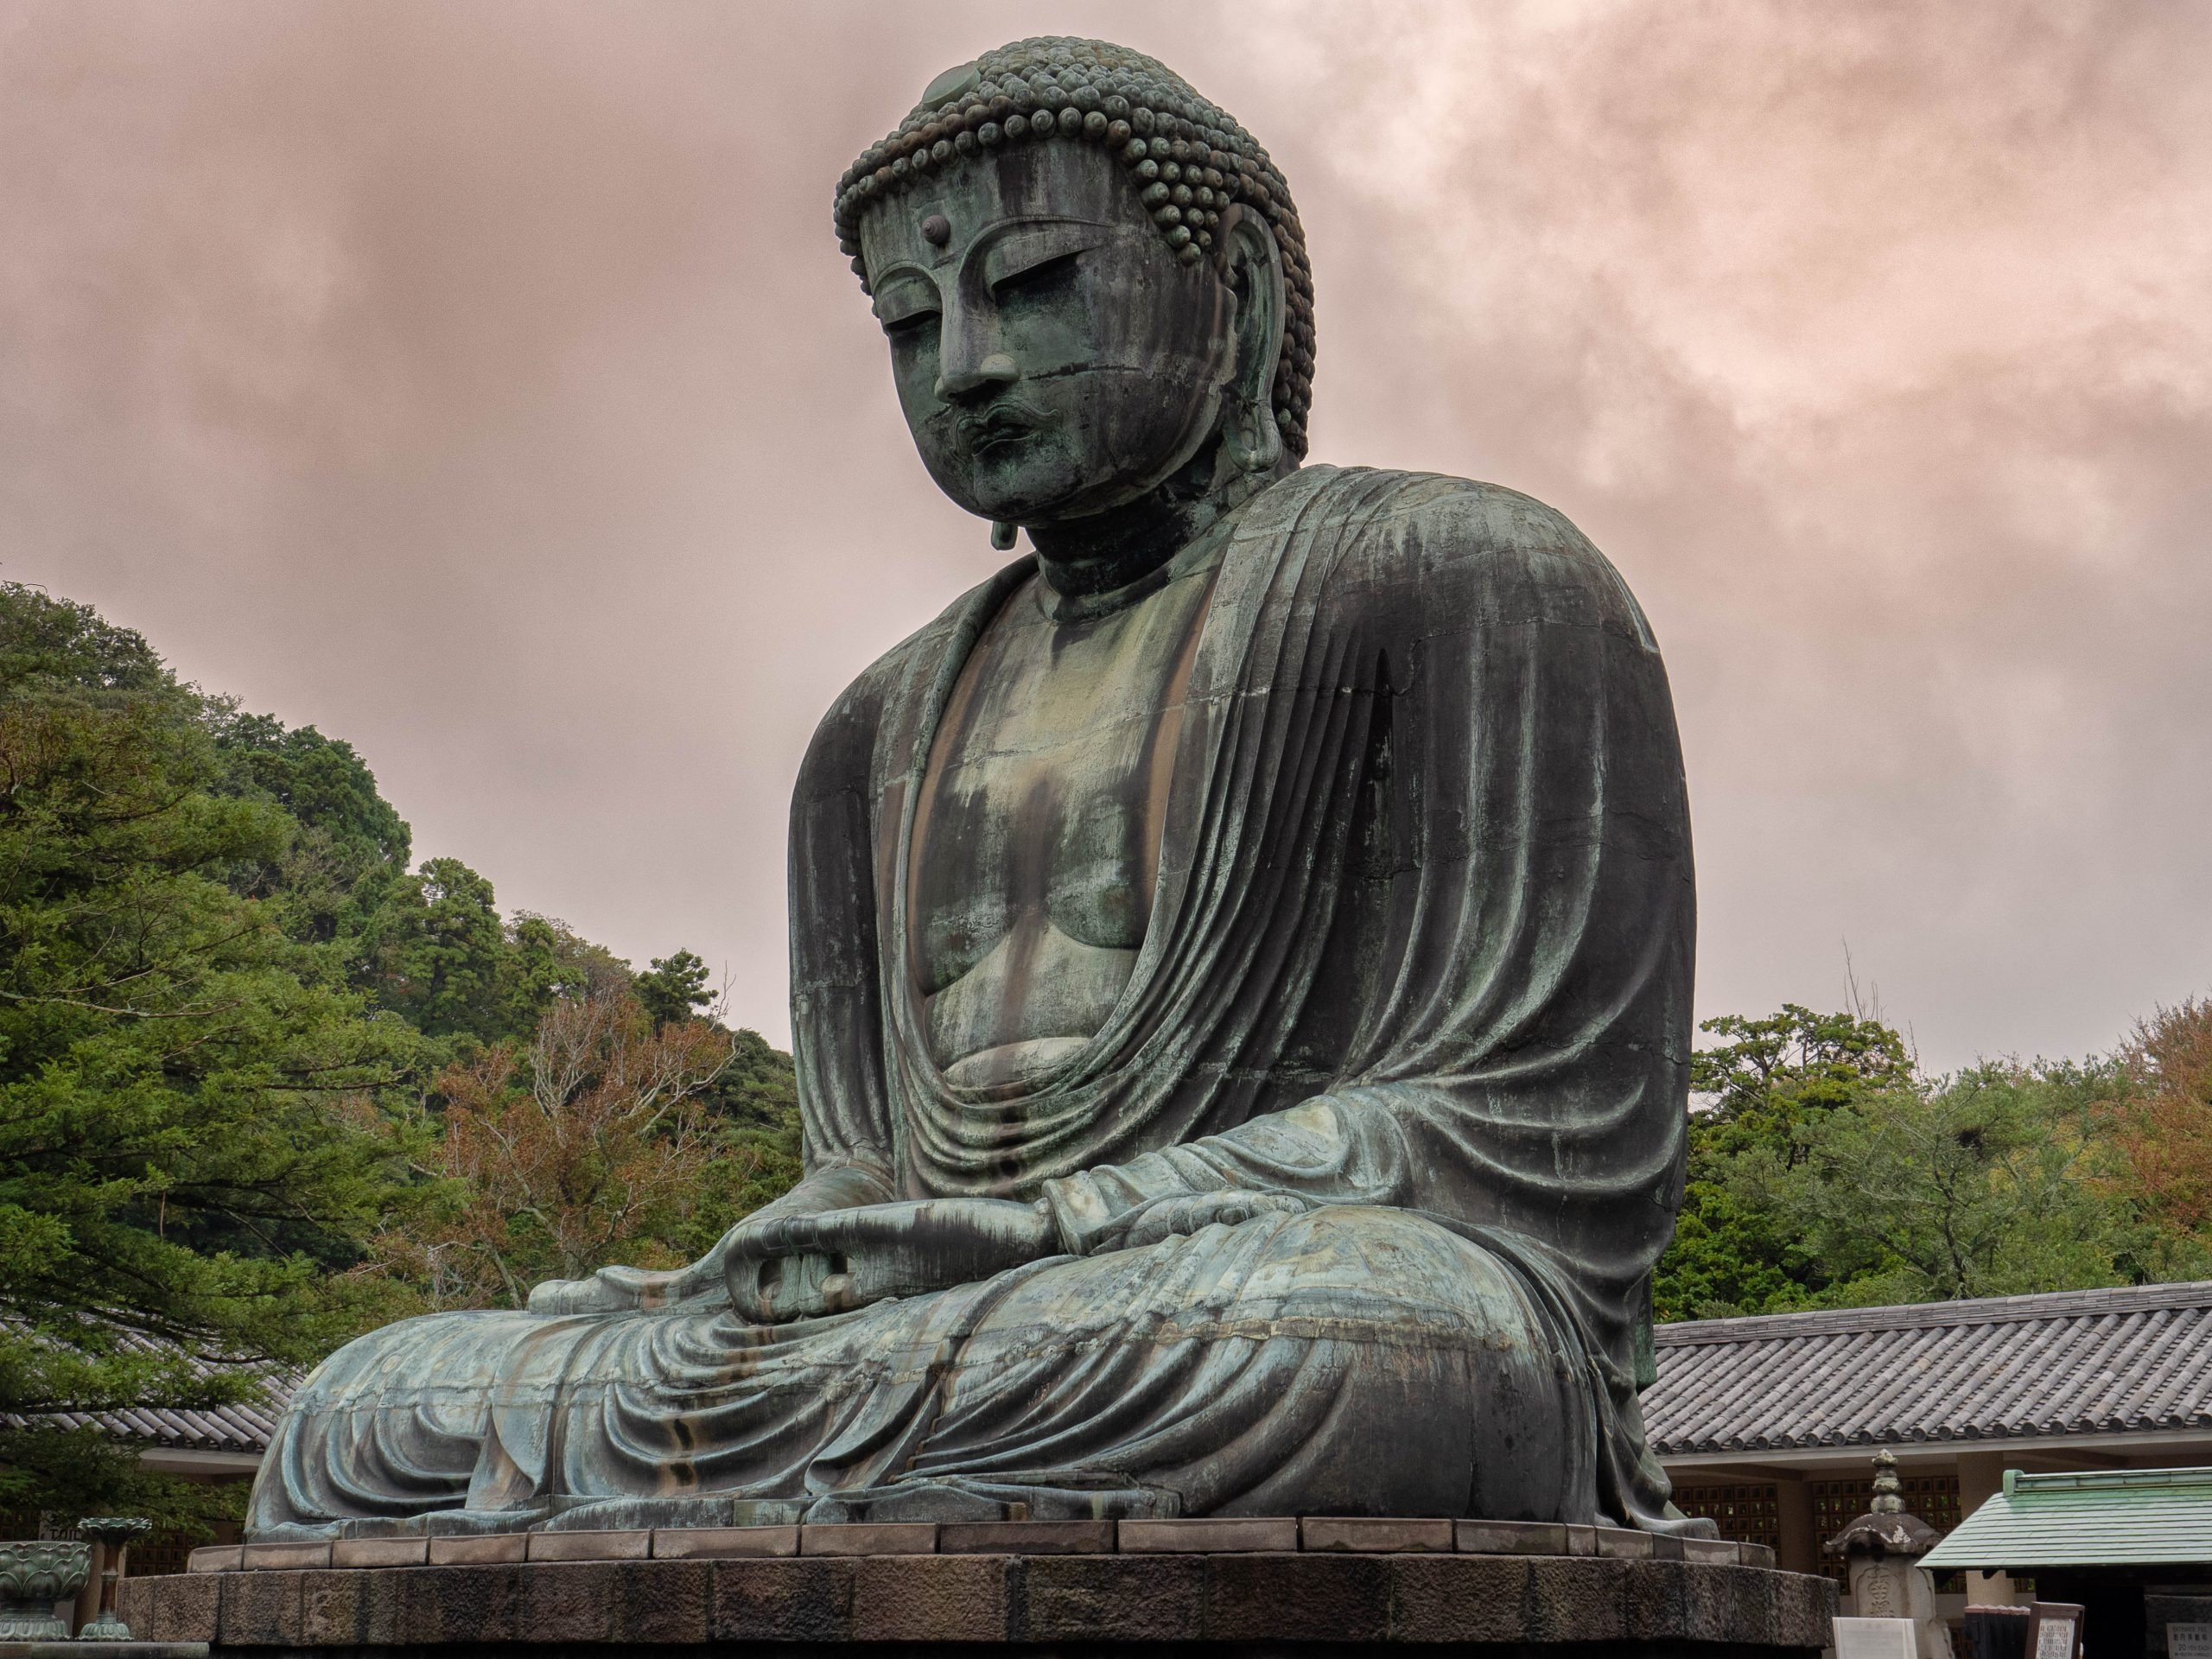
(1875, 1638)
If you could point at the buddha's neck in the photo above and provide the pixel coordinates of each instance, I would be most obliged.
(1094, 558)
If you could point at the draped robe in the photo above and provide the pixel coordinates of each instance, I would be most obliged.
(1418, 969)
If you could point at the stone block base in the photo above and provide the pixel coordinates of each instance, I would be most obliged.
(1260, 1602)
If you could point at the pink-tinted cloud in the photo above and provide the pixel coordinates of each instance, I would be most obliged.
(481, 384)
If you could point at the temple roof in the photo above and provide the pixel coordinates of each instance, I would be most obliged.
(2003, 1368)
(218, 1428)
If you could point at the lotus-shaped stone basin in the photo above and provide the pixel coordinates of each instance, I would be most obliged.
(34, 1575)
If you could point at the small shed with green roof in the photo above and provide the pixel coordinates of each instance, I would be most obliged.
(2104, 1518)
(2132, 1545)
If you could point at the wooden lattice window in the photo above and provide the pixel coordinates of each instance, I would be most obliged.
(162, 1552)
(1837, 1504)
(1749, 1513)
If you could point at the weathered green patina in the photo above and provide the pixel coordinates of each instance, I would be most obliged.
(1241, 953)
(115, 1533)
(34, 1576)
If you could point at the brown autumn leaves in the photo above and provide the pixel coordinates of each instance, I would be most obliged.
(597, 1142)
(2162, 1127)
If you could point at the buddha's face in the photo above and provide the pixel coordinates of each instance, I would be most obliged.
(1053, 357)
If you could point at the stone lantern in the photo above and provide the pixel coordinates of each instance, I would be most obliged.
(1882, 1550)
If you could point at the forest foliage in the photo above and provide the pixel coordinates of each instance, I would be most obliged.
(267, 1081)
(1827, 1169)
(255, 1065)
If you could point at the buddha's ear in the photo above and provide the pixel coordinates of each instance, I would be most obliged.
(1254, 272)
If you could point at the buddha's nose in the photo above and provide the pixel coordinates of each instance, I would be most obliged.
(961, 380)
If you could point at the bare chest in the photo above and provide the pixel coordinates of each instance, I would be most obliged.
(1038, 832)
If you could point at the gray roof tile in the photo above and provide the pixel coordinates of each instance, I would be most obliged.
(242, 1427)
(2076, 1361)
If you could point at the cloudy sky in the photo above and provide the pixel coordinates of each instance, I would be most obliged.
(481, 384)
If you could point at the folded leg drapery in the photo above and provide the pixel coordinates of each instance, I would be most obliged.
(1347, 1360)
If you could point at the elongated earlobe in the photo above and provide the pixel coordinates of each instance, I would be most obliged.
(1002, 536)
(1250, 437)
(1248, 432)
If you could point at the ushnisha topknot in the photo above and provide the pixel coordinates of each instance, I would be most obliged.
(1185, 156)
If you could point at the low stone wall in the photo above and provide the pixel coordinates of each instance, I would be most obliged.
(1263, 1586)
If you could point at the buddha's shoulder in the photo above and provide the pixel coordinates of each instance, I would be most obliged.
(1424, 539)
(902, 671)
(844, 738)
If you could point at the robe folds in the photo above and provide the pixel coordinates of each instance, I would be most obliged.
(1418, 970)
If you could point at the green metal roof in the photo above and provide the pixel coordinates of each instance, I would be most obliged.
(2099, 1519)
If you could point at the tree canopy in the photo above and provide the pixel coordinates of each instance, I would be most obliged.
(184, 1151)
(236, 1030)
(1827, 1169)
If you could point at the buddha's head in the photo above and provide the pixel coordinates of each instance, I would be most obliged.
(1093, 282)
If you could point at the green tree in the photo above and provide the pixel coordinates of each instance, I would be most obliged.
(1826, 1170)
(434, 949)
(1757, 1093)
(239, 1036)
(673, 988)
(198, 1119)
(1984, 1183)
(436, 953)
(348, 847)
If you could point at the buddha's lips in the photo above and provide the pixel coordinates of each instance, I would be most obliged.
(1000, 424)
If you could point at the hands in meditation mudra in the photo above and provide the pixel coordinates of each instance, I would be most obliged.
(1241, 953)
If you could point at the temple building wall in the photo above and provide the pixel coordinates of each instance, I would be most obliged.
(1769, 1424)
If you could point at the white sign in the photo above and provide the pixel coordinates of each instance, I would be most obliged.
(2188, 1641)
(1875, 1638)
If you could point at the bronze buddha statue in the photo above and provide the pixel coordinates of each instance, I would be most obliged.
(1241, 953)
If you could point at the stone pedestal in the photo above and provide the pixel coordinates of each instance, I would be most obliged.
(1264, 1586)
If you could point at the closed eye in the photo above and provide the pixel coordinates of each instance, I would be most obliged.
(904, 302)
(911, 324)
(1047, 276)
